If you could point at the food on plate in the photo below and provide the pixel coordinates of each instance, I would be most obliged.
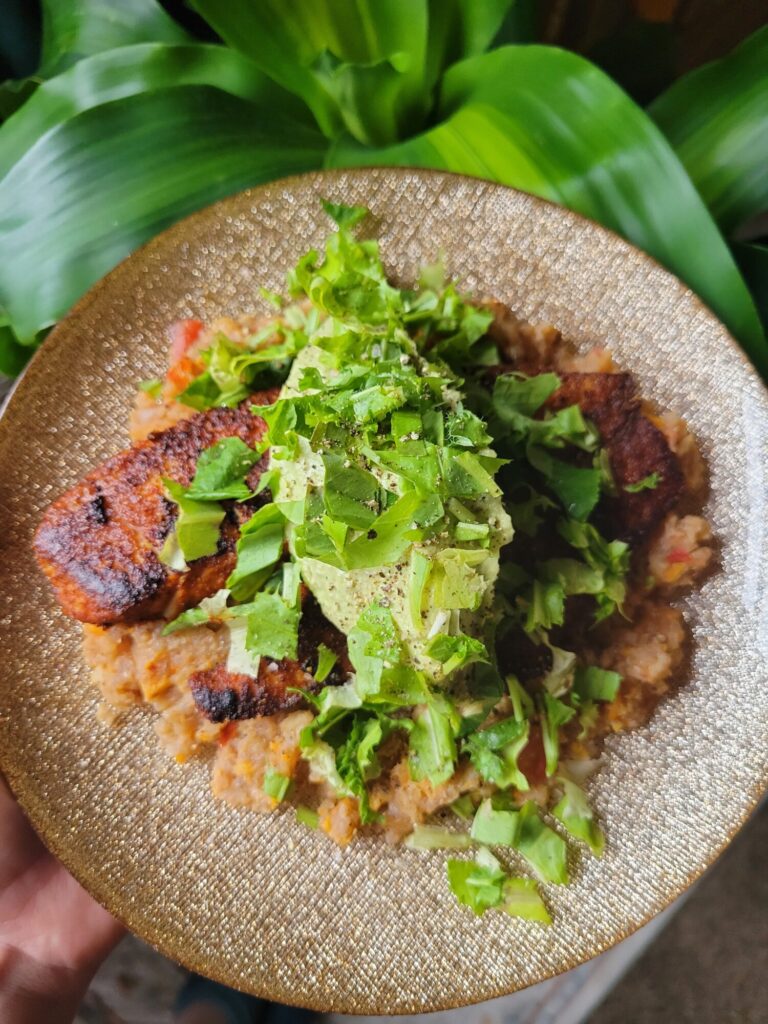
(395, 558)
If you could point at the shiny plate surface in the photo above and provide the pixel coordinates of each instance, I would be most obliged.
(263, 903)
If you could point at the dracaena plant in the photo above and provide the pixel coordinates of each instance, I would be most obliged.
(130, 124)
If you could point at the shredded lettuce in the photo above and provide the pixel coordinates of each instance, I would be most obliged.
(482, 884)
(326, 659)
(494, 827)
(577, 817)
(152, 387)
(479, 883)
(541, 846)
(275, 784)
(432, 837)
(456, 652)
(432, 741)
(593, 683)
(521, 898)
(197, 525)
(240, 659)
(258, 550)
(306, 816)
(554, 713)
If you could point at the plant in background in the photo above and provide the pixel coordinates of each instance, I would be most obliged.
(130, 124)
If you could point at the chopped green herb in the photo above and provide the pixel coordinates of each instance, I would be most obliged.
(477, 884)
(197, 524)
(494, 752)
(648, 483)
(543, 848)
(494, 828)
(275, 784)
(221, 471)
(432, 837)
(306, 816)
(577, 817)
(326, 659)
(151, 387)
(456, 652)
(595, 683)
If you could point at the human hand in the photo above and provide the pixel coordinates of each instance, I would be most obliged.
(53, 935)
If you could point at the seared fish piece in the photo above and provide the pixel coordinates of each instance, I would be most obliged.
(224, 696)
(636, 449)
(98, 544)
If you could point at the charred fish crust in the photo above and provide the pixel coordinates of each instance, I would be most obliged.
(636, 450)
(518, 655)
(223, 696)
(98, 543)
(97, 509)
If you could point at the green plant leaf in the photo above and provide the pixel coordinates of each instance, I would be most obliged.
(752, 258)
(716, 118)
(549, 122)
(459, 29)
(73, 29)
(96, 186)
(130, 71)
(358, 64)
(12, 355)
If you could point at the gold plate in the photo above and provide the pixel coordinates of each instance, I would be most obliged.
(263, 903)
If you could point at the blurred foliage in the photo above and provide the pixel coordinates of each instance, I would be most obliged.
(120, 116)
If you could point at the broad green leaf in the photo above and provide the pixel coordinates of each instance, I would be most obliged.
(358, 64)
(95, 187)
(13, 356)
(549, 122)
(716, 118)
(73, 29)
(14, 93)
(459, 29)
(753, 261)
(131, 71)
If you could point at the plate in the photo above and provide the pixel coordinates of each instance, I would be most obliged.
(262, 903)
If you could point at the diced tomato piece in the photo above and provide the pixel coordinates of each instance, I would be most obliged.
(678, 555)
(182, 373)
(182, 334)
(532, 761)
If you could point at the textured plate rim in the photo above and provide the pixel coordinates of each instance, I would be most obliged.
(16, 780)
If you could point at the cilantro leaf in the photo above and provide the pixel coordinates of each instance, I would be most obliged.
(221, 470)
(578, 489)
(457, 651)
(350, 494)
(494, 752)
(273, 627)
